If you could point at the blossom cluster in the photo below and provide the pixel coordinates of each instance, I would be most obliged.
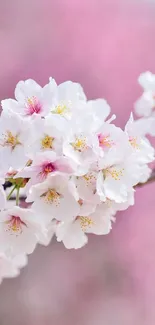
(75, 168)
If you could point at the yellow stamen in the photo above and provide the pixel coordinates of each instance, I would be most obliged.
(80, 144)
(61, 110)
(51, 196)
(105, 141)
(14, 225)
(47, 142)
(116, 174)
(86, 222)
(90, 179)
(133, 142)
(30, 101)
(11, 140)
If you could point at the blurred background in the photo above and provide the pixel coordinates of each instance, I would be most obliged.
(104, 45)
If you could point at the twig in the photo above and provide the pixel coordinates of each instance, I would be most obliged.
(21, 198)
(9, 196)
(17, 196)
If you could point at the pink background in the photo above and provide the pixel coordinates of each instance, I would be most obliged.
(104, 45)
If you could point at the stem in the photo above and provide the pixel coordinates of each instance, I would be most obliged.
(9, 195)
(17, 196)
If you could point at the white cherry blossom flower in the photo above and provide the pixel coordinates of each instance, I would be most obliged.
(73, 235)
(91, 115)
(145, 126)
(113, 206)
(54, 199)
(45, 164)
(99, 109)
(145, 105)
(10, 266)
(147, 81)
(13, 135)
(31, 98)
(112, 139)
(141, 147)
(45, 237)
(86, 207)
(81, 145)
(18, 231)
(115, 180)
(46, 135)
(68, 98)
(86, 186)
(67, 165)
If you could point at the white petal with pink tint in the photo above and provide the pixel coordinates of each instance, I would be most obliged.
(141, 147)
(45, 136)
(18, 231)
(10, 266)
(54, 199)
(69, 97)
(45, 164)
(73, 234)
(86, 187)
(31, 98)
(13, 136)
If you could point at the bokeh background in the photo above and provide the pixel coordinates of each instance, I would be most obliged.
(104, 45)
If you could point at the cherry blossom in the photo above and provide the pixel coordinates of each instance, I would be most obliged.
(73, 234)
(116, 178)
(10, 266)
(146, 103)
(112, 139)
(86, 186)
(48, 138)
(45, 237)
(13, 135)
(31, 98)
(142, 149)
(80, 144)
(18, 231)
(54, 199)
(65, 168)
(45, 164)
(69, 96)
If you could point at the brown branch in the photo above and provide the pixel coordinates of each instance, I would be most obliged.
(21, 198)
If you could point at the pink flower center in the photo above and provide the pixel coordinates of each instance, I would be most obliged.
(14, 225)
(134, 142)
(105, 141)
(48, 168)
(33, 106)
